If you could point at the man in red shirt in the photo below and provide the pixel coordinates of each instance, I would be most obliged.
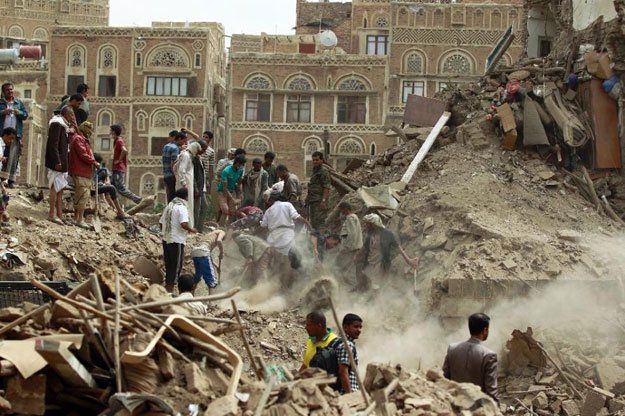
(120, 164)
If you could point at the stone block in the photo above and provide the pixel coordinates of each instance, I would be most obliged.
(197, 381)
(570, 408)
(540, 401)
(224, 406)
(611, 376)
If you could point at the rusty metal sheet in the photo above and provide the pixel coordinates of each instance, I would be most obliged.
(423, 111)
(603, 112)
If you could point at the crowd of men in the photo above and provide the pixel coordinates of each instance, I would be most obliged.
(261, 207)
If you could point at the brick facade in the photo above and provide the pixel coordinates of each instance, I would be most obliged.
(165, 77)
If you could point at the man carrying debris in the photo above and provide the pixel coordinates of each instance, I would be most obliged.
(203, 262)
(352, 325)
(319, 336)
(257, 256)
(350, 239)
(471, 361)
(175, 226)
(280, 219)
(378, 252)
(317, 200)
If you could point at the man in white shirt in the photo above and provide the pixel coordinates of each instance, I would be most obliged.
(280, 219)
(175, 226)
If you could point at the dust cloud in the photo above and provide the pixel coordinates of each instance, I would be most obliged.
(401, 328)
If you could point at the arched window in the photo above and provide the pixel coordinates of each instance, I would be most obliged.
(413, 63)
(372, 149)
(350, 147)
(16, 31)
(439, 18)
(141, 116)
(258, 105)
(381, 21)
(299, 106)
(478, 18)
(513, 17)
(258, 82)
(40, 34)
(108, 58)
(495, 19)
(105, 118)
(188, 122)
(347, 149)
(138, 59)
(168, 57)
(456, 64)
(148, 184)
(197, 61)
(403, 18)
(257, 145)
(311, 145)
(299, 84)
(165, 119)
(76, 57)
(352, 84)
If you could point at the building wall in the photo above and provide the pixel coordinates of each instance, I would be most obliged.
(335, 16)
(294, 142)
(133, 56)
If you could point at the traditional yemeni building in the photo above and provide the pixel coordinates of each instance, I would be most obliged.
(296, 103)
(391, 48)
(150, 80)
(29, 22)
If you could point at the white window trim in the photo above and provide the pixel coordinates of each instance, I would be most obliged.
(312, 107)
(401, 88)
(271, 102)
(336, 115)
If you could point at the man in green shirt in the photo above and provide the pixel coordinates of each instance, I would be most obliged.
(317, 200)
(230, 179)
(319, 335)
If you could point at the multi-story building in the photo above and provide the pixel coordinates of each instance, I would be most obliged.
(29, 22)
(150, 80)
(296, 103)
(393, 48)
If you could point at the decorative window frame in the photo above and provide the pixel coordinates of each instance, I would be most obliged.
(424, 62)
(341, 141)
(76, 70)
(140, 118)
(185, 65)
(15, 36)
(313, 86)
(103, 130)
(110, 71)
(308, 155)
(258, 136)
(443, 58)
(46, 36)
(161, 131)
(143, 182)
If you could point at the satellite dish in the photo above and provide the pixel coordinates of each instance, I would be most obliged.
(328, 39)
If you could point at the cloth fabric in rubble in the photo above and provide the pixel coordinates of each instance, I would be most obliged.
(204, 266)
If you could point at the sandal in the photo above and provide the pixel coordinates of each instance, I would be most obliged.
(83, 225)
(56, 220)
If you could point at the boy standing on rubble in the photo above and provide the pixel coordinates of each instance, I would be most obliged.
(352, 325)
(175, 226)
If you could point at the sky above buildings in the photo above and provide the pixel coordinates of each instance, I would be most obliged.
(238, 16)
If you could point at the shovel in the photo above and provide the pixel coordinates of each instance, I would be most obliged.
(97, 225)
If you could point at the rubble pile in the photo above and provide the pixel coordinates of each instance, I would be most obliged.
(57, 252)
(565, 377)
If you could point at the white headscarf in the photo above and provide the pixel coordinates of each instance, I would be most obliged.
(373, 219)
(194, 148)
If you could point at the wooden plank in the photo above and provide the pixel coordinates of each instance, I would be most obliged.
(66, 365)
(423, 111)
(507, 117)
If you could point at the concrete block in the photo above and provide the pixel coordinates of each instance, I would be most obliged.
(540, 401)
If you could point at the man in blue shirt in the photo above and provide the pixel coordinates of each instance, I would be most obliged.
(12, 114)
(230, 178)
(170, 153)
